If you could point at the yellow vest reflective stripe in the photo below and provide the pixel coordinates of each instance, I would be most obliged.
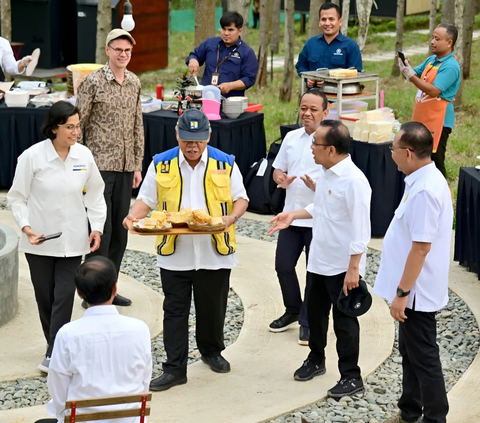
(216, 188)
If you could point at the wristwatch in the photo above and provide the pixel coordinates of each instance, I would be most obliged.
(235, 216)
(401, 293)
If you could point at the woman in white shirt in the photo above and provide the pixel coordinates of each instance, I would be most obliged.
(8, 62)
(57, 188)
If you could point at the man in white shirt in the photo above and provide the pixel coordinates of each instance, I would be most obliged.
(201, 177)
(413, 274)
(341, 232)
(296, 171)
(8, 63)
(103, 353)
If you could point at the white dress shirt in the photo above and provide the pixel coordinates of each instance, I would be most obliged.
(425, 214)
(341, 219)
(47, 195)
(102, 354)
(193, 252)
(296, 159)
(7, 59)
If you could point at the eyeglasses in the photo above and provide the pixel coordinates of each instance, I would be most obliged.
(119, 51)
(71, 128)
(318, 145)
(392, 148)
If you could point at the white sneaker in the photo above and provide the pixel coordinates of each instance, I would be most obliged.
(43, 366)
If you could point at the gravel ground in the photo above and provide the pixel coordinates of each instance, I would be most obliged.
(457, 336)
(3, 204)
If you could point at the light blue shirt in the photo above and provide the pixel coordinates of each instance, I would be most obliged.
(447, 81)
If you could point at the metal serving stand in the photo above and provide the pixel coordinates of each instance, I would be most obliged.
(322, 75)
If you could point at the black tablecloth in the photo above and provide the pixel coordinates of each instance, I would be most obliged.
(467, 229)
(243, 137)
(375, 161)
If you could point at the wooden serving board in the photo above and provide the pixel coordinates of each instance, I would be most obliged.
(172, 231)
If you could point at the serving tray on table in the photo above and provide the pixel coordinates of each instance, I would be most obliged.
(174, 231)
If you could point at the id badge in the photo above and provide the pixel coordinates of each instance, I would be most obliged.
(215, 76)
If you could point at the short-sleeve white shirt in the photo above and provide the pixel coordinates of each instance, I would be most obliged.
(341, 219)
(47, 195)
(425, 214)
(296, 159)
(7, 60)
(193, 252)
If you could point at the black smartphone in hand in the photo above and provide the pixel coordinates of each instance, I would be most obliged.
(402, 56)
(51, 236)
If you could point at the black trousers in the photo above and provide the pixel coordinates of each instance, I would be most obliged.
(291, 242)
(439, 156)
(324, 292)
(53, 281)
(210, 292)
(423, 383)
(118, 194)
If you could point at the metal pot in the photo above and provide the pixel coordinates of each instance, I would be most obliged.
(351, 88)
(195, 91)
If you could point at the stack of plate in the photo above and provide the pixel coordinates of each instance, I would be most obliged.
(233, 107)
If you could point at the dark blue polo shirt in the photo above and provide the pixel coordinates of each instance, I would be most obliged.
(342, 52)
(241, 65)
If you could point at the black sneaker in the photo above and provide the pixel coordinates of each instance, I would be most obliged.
(303, 335)
(309, 370)
(347, 387)
(283, 322)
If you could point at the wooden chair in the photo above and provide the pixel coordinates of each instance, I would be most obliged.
(142, 411)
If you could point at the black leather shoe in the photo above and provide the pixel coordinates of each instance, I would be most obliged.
(167, 381)
(121, 301)
(303, 335)
(283, 322)
(217, 363)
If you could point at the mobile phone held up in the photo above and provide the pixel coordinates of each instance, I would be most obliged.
(402, 56)
(49, 237)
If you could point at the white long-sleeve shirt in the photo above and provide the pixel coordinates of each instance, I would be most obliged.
(102, 354)
(193, 252)
(296, 159)
(47, 195)
(7, 60)
(341, 225)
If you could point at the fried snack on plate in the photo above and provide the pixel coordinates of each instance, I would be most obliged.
(160, 217)
(342, 73)
(180, 218)
(150, 223)
(201, 217)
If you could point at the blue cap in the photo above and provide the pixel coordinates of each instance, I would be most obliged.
(193, 125)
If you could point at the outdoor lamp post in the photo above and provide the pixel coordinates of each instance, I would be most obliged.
(127, 22)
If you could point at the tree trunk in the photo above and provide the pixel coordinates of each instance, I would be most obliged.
(204, 20)
(263, 43)
(364, 8)
(6, 19)
(313, 28)
(448, 11)
(345, 16)
(276, 26)
(432, 22)
(242, 7)
(104, 26)
(399, 36)
(459, 48)
(337, 2)
(289, 37)
(471, 9)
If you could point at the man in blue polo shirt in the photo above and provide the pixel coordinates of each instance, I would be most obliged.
(437, 80)
(230, 63)
(330, 50)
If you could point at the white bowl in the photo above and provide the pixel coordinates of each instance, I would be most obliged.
(16, 98)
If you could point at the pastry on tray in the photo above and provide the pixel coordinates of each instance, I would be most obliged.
(342, 73)
(201, 217)
(202, 221)
(156, 223)
(180, 218)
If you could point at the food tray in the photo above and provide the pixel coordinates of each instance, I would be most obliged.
(207, 228)
(139, 229)
(172, 231)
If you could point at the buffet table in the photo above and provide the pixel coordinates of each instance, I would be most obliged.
(375, 161)
(467, 229)
(243, 137)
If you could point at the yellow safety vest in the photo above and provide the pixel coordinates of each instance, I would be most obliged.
(216, 188)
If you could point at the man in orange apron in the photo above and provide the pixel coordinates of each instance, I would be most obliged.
(437, 80)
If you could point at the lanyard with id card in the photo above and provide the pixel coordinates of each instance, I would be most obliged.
(215, 75)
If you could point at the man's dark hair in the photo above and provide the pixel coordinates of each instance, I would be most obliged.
(418, 138)
(317, 92)
(58, 114)
(337, 135)
(122, 37)
(95, 279)
(452, 32)
(231, 18)
(329, 5)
